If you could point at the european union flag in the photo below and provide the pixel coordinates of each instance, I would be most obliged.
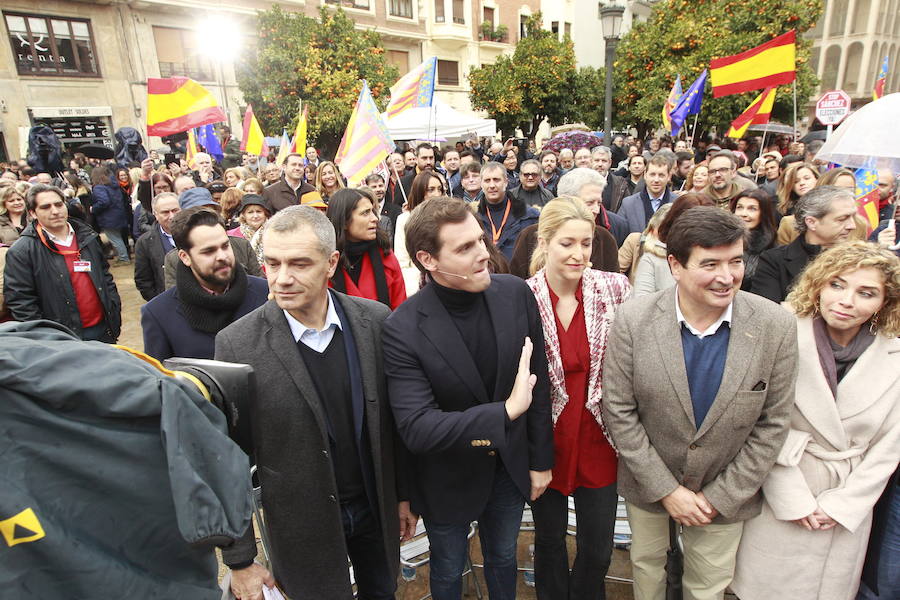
(689, 104)
(206, 137)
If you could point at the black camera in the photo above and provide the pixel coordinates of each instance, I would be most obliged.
(230, 387)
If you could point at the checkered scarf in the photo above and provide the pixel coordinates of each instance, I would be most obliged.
(601, 294)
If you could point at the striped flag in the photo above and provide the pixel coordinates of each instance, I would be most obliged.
(757, 113)
(416, 88)
(366, 141)
(298, 145)
(283, 149)
(878, 92)
(671, 101)
(254, 142)
(177, 104)
(867, 196)
(191, 153)
(773, 63)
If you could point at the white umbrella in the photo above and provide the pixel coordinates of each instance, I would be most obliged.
(871, 134)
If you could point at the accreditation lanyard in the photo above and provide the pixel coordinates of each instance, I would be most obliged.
(40, 232)
(495, 233)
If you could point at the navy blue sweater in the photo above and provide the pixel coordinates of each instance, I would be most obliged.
(704, 360)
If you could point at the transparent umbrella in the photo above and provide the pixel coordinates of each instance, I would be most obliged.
(868, 138)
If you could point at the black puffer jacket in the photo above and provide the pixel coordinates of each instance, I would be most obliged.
(37, 284)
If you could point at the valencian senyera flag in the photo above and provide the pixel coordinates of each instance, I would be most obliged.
(689, 103)
(284, 148)
(253, 140)
(867, 196)
(190, 155)
(416, 88)
(758, 113)
(773, 63)
(671, 101)
(176, 104)
(880, 80)
(366, 141)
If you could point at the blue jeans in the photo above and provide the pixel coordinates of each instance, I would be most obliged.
(498, 529)
(115, 238)
(889, 560)
(365, 546)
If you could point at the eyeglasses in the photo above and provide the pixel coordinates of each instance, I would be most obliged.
(721, 171)
(530, 174)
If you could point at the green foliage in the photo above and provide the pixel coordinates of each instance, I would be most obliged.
(683, 35)
(534, 84)
(319, 61)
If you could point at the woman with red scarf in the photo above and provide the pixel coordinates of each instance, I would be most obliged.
(368, 267)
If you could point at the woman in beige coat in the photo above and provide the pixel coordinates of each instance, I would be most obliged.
(810, 540)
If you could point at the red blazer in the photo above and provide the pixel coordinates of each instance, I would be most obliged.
(366, 287)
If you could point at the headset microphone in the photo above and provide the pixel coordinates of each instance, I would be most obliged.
(452, 274)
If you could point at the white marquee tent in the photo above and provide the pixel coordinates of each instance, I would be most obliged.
(438, 121)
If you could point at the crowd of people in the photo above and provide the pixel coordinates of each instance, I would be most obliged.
(709, 332)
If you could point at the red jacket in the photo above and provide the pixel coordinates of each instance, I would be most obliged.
(366, 287)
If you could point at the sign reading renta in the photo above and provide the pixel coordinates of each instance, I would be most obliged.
(833, 107)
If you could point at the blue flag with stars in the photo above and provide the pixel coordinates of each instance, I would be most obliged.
(206, 137)
(688, 104)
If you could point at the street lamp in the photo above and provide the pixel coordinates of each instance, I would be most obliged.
(611, 22)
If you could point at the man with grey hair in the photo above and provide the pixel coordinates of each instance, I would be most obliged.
(588, 185)
(529, 189)
(151, 248)
(566, 159)
(615, 190)
(205, 172)
(184, 183)
(824, 217)
(329, 462)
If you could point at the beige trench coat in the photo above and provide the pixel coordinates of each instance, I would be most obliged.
(839, 456)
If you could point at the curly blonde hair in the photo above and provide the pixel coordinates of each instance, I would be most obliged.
(804, 297)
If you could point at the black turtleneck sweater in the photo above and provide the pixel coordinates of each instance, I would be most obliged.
(469, 312)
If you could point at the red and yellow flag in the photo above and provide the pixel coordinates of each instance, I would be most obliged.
(177, 104)
(253, 140)
(366, 141)
(773, 63)
(671, 101)
(757, 113)
(191, 154)
(299, 143)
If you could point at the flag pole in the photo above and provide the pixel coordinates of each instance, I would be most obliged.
(693, 131)
(796, 133)
(402, 191)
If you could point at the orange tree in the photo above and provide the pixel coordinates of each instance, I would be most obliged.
(682, 36)
(534, 84)
(319, 61)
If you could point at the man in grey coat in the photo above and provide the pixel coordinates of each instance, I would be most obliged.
(698, 389)
(329, 461)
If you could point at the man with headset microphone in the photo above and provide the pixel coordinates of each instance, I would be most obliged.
(470, 397)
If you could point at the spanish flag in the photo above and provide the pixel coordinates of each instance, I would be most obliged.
(773, 63)
(880, 80)
(757, 113)
(299, 143)
(254, 141)
(177, 104)
(671, 101)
